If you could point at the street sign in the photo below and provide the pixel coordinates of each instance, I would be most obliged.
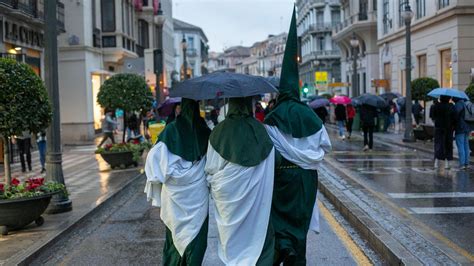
(321, 77)
(339, 84)
(380, 83)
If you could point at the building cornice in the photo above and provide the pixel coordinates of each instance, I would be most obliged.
(428, 22)
(76, 48)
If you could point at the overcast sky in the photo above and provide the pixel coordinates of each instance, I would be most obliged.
(235, 22)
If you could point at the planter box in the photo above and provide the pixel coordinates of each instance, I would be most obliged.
(18, 213)
(429, 130)
(119, 159)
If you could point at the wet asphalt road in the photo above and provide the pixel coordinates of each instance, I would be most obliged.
(443, 200)
(128, 231)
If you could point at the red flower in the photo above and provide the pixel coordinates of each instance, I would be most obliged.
(37, 180)
(32, 186)
(15, 182)
(2, 187)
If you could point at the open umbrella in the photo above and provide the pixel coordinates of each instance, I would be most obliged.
(389, 96)
(318, 103)
(340, 99)
(166, 108)
(370, 99)
(274, 80)
(222, 85)
(436, 93)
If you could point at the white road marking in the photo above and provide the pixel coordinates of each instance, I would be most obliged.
(442, 210)
(431, 195)
(383, 160)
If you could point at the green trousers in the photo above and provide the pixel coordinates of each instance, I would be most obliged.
(294, 196)
(194, 252)
(268, 252)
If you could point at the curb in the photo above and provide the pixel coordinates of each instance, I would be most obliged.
(35, 250)
(378, 238)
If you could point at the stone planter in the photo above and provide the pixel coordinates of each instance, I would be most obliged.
(18, 213)
(119, 159)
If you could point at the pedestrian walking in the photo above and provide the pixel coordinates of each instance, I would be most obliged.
(340, 113)
(259, 112)
(23, 143)
(174, 114)
(176, 183)
(322, 113)
(461, 132)
(41, 142)
(417, 110)
(301, 140)
(393, 113)
(108, 127)
(368, 114)
(240, 167)
(351, 112)
(443, 115)
(270, 106)
(385, 112)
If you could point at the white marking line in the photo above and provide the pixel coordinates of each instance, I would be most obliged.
(431, 195)
(384, 160)
(442, 210)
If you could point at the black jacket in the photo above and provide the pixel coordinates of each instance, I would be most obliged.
(443, 115)
(340, 112)
(367, 115)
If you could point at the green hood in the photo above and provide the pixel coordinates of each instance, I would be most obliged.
(188, 135)
(241, 139)
(290, 115)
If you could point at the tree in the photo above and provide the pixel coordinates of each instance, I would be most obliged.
(24, 104)
(420, 88)
(470, 92)
(128, 92)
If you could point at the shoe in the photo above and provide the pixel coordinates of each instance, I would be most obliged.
(343, 137)
(436, 163)
(42, 170)
(366, 147)
(446, 164)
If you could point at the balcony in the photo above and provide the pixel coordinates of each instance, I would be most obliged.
(362, 20)
(321, 55)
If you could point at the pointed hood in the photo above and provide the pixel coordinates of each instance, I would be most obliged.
(290, 115)
(187, 136)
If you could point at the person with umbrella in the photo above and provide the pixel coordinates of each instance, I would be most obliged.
(461, 133)
(443, 115)
(351, 112)
(340, 112)
(176, 182)
(302, 141)
(368, 113)
(240, 168)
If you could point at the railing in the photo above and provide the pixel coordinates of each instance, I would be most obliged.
(360, 17)
(10, 3)
(31, 9)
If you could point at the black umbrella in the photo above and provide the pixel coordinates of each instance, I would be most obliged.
(222, 85)
(274, 80)
(389, 96)
(370, 99)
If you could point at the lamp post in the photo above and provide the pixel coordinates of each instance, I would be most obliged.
(158, 53)
(54, 170)
(407, 15)
(184, 46)
(355, 82)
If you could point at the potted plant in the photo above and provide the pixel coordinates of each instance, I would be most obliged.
(420, 88)
(122, 155)
(21, 203)
(130, 93)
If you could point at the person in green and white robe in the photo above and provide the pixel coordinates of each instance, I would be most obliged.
(176, 182)
(301, 140)
(240, 167)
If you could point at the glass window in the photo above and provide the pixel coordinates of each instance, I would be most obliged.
(420, 8)
(143, 36)
(443, 3)
(363, 8)
(320, 17)
(321, 43)
(422, 66)
(446, 69)
(191, 42)
(386, 21)
(108, 15)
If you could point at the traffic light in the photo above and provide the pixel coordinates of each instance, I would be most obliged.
(305, 90)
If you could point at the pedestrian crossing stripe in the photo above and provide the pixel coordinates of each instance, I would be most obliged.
(441, 210)
(431, 195)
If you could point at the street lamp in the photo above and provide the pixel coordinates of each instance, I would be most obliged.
(54, 169)
(355, 83)
(158, 53)
(407, 15)
(184, 46)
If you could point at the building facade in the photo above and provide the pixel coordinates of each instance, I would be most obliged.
(105, 37)
(442, 42)
(359, 21)
(319, 53)
(196, 49)
(229, 60)
(21, 31)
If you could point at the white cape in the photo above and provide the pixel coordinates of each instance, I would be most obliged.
(242, 199)
(179, 187)
(305, 152)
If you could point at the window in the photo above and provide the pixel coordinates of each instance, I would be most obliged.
(363, 8)
(109, 41)
(420, 9)
(191, 43)
(422, 66)
(320, 17)
(446, 69)
(443, 3)
(108, 15)
(321, 43)
(143, 36)
(386, 20)
(335, 16)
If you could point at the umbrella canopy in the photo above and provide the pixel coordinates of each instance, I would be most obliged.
(370, 99)
(222, 85)
(389, 96)
(318, 103)
(436, 93)
(315, 97)
(274, 80)
(340, 99)
(166, 107)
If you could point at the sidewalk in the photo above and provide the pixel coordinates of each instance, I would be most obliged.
(90, 182)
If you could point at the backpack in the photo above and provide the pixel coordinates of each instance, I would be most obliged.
(469, 112)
